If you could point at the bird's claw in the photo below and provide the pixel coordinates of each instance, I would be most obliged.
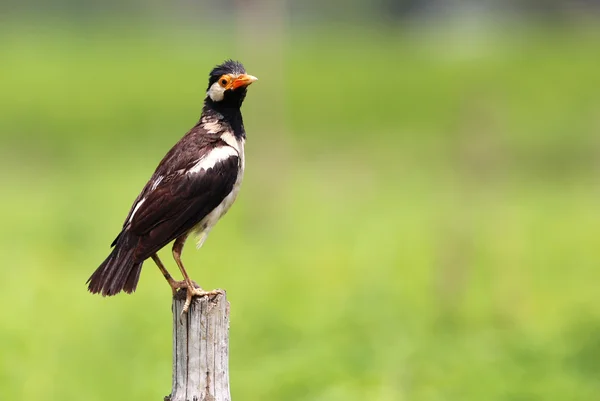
(197, 292)
(177, 285)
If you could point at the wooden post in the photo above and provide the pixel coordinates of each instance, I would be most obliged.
(200, 349)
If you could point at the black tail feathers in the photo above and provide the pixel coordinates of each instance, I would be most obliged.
(120, 271)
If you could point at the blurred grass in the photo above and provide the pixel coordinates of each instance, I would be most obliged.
(418, 220)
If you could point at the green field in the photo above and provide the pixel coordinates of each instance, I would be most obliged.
(420, 217)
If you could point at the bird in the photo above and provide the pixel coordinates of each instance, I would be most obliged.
(193, 186)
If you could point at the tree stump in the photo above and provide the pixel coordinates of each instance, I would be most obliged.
(200, 349)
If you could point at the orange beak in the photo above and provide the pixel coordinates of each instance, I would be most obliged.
(242, 80)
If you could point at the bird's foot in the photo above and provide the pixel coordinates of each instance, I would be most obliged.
(176, 285)
(197, 292)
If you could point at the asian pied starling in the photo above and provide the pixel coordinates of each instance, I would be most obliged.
(192, 188)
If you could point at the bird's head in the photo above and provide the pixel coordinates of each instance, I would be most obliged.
(228, 83)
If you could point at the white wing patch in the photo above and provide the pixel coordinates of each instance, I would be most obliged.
(211, 126)
(231, 140)
(135, 209)
(212, 158)
(204, 227)
(156, 182)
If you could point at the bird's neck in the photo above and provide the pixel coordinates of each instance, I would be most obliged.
(230, 114)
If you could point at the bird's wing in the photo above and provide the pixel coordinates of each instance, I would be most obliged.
(171, 205)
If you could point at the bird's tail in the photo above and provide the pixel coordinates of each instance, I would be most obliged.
(120, 271)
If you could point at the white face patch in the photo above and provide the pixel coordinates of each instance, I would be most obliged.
(212, 158)
(216, 92)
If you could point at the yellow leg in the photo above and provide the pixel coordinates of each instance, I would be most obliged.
(192, 289)
(175, 285)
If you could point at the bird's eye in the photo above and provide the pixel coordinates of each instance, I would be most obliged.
(223, 81)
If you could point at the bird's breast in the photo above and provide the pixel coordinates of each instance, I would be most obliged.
(208, 222)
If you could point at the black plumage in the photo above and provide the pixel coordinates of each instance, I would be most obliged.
(191, 188)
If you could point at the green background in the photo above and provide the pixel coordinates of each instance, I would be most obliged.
(419, 218)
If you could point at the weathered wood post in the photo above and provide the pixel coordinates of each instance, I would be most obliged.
(200, 349)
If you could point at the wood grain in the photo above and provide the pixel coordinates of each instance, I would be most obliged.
(200, 350)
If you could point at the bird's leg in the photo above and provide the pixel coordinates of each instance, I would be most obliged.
(175, 285)
(192, 290)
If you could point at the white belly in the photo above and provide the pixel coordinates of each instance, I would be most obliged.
(208, 222)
